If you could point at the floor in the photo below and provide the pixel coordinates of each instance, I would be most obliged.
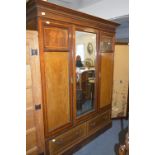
(106, 143)
(86, 107)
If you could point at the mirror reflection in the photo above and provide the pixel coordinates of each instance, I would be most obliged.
(85, 71)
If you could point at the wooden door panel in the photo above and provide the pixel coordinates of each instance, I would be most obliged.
(34, 123)
(106, 79)
(28, 76)
(33, 151)
(29, 118)
(57, 89)
(31, 141)
(29, 99)
(27, 53)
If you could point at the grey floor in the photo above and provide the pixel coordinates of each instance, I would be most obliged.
(105, 144)
(86, 106)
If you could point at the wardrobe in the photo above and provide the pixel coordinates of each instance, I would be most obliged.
(76, 100)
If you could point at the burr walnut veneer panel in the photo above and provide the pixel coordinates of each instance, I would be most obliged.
(55, 38)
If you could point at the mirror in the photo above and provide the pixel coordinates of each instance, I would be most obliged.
(85, 71)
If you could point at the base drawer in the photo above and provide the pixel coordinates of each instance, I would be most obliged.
(99, 122)
(68, 138)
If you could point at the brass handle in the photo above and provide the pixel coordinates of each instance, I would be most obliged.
(58, 142)
(43, 13)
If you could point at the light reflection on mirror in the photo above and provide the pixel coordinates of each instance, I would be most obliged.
(85, 71)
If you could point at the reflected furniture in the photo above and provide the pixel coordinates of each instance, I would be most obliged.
(85, 91)
(76, 105)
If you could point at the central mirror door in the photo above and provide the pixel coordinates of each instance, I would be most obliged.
(85, 72)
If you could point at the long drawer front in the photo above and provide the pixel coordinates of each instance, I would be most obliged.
(99, 122)
(68, 138)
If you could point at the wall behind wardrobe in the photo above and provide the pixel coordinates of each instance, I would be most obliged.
(121, 81)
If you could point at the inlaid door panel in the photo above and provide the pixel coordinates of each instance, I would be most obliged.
(55, 38)
(57, 89)
(106, 42)
(106, 79)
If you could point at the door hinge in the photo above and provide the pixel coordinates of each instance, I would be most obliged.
(37, 106)
(34, 52)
